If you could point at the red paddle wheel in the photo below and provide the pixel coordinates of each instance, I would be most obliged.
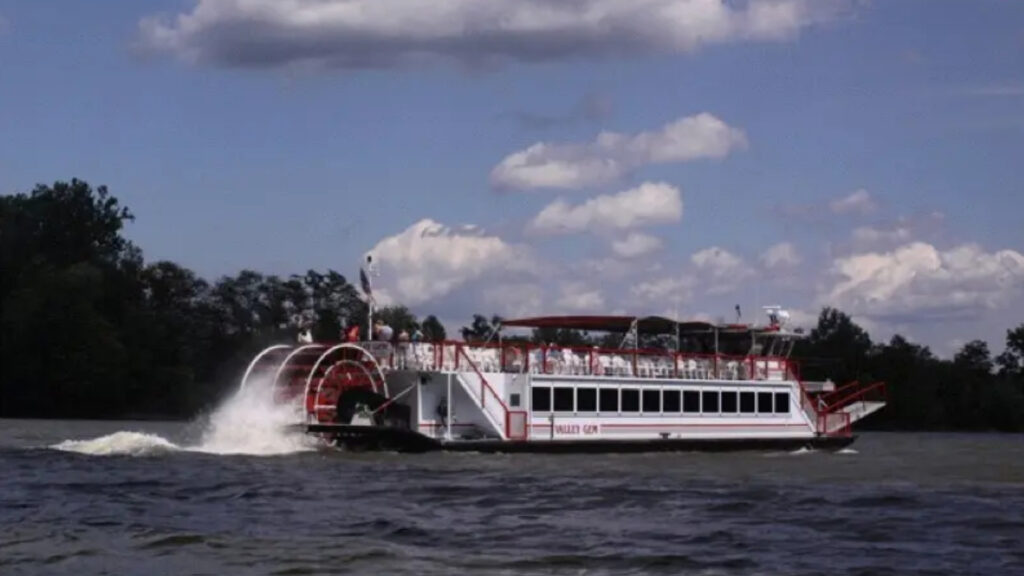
(347, 370)
(331, 382)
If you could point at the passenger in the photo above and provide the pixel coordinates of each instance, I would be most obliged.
(305, 337)
(353, 333)
(417, 335)
(386, 333)
(403, 336)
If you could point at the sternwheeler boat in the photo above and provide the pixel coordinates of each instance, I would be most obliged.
(711, 386)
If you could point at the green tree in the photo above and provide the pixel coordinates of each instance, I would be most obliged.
(433, 330)
(480, 329)
(1011, 361)
(974, 357)
(398, 317)
(836, 348)
(58, 355)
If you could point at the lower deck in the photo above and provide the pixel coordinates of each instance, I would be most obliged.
(472, 407)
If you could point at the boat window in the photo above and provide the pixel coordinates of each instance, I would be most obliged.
(747, 402)
(513, 400)
(710, 401)
(586, 399)
(630, 400)
(729, 403)
(609, 399)
(670, 401)
(652, 401)
(764, 402)
(782, 402)
(691, 401)
(563, 399)
(540, 397)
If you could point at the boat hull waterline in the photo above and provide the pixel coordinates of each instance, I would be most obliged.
(384, 438)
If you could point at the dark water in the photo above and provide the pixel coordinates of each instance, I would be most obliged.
(902, 504)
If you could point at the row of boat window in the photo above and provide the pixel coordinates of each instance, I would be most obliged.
(653, 400)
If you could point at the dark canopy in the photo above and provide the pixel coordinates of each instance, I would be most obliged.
(645, 325)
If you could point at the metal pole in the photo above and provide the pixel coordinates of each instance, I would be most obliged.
(369, 321)
(448, 404)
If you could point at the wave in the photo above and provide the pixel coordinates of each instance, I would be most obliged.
(248, 423)
(120, 443)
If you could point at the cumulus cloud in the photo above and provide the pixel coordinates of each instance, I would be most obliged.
(580, 297)
(511, 300)
(897, 232)
(781, 255)
(873, 235)
(429, 260)
(665, 290)
(635, 245)
(376, 33)
(858, 202)
(919, 281)
(648, 204)
(722, 268)
(612, 155)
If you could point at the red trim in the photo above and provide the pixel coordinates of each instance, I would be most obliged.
(758, 425)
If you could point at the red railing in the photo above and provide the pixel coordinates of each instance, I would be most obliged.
(853, 392)
(827, 410)
(485, 389)
(586, 361)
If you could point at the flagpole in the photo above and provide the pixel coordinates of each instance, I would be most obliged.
(366, 284)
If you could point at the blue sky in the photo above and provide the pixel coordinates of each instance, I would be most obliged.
(287, 136)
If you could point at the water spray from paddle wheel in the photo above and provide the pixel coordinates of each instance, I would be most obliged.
(329, 383)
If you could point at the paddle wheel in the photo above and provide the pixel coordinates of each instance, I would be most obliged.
(333, 384)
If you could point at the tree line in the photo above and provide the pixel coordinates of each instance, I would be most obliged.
(88, 328)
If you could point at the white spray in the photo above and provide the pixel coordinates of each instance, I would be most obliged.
(249, 422)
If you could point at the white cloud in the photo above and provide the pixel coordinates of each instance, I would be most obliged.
(613, 155)
(429, 260)
(859, 202)
(636, 245)
(724, 269)
(374, 33)
(512, 300)
(918, 281)
(648, 204)
(781, 255)
(580, 297)
(869, 235)
(897, 232)
(672, 290)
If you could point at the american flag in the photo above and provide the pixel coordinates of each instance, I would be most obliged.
(364, 280)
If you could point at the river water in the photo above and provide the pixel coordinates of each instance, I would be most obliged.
(217, 497)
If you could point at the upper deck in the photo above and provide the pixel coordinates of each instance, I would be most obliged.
(693, 351)
(522, 358)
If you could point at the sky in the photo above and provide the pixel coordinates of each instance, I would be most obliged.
(524, 157)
